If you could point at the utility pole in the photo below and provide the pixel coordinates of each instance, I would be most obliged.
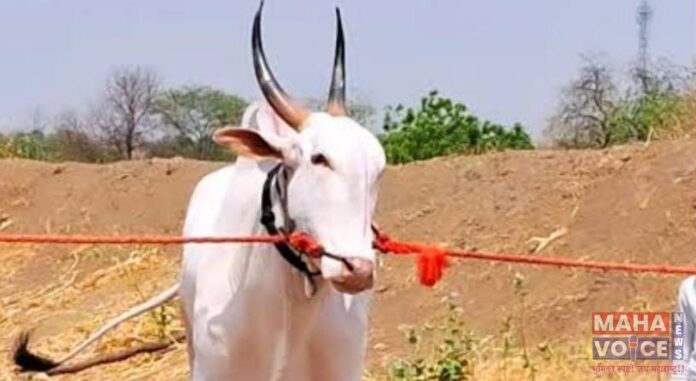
(644, 15)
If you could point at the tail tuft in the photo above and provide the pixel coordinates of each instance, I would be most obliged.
(27, 361)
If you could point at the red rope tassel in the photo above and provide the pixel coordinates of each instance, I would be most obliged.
(431, 260)
(431, 265)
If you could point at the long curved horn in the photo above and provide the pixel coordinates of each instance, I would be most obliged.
(292, 114)
(336, 104)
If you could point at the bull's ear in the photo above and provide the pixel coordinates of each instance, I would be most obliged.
(251, 144)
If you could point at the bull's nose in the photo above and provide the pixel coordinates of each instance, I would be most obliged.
(361, 267)
(357, 279)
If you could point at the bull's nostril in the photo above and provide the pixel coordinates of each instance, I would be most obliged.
(347, 269)
(361, 266)
(349, 265)
(358, 280)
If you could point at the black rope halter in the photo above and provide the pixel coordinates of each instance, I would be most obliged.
(295, 258)
(268, 220)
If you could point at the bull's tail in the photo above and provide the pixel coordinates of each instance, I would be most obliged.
(28, 361)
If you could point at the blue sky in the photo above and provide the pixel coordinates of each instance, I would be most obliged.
(507, 60)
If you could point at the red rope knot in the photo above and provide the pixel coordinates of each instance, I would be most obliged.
(302, 242)
(386, 244)
(431, 259)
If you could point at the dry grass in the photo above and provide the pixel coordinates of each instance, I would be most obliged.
(682, 124)
(690, 114)
(66, 309)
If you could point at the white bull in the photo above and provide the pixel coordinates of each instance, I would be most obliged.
(248, 314)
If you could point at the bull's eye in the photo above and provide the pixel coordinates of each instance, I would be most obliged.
(320, 159)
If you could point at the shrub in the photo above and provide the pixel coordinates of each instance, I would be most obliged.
(178, 145)
(442, 127)
(658, 114)
(71, 145)
(5, 147)
(451, 360)
(661, 111)
(32, 145)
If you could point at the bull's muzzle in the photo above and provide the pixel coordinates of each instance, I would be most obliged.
(355, 280)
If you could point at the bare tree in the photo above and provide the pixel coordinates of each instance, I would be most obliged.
(69, 120)
(665, 76)
(586, 114)
(124, 115)
(39, 120)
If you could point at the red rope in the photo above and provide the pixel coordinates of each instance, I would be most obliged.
(131, 240)
(431, 259)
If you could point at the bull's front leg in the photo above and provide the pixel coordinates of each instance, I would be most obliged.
(237, 333)
(236, 344)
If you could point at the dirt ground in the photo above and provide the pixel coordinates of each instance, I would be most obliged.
(632, 204)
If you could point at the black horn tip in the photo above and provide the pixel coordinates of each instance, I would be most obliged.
(257, 16)
(27, 361)
(338, 18)
(337, 93)
(259, 11)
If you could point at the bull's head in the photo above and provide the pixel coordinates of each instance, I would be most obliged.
(335, 165)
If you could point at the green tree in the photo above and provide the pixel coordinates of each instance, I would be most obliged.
(442, 127)
(193, 114)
